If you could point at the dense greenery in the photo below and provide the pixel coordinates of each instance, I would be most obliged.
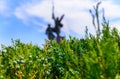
(73, 59)
(87, 58)
(93, 57)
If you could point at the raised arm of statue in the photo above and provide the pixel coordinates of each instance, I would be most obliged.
(61, 18)
(53, 16)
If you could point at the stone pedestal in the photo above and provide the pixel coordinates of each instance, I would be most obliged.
(58, 39)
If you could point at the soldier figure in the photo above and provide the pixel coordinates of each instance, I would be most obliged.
(49, 32)
(58, 24)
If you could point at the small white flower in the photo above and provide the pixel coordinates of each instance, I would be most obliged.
(21, 57)
(22, 61)
(76, 72)
(30, 56)
(16, 74)
(17, 67)
(36, 56)
(42, 58)
(14, 62)
(47, 72)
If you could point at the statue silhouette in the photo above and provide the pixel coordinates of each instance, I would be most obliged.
(58, 24)
(56, 29)
(49, 32)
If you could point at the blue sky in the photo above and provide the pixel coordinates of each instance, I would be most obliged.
(27, 19)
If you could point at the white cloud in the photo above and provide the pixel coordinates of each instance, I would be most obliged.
(112, 12)
(76, 13)
(21, 14)
(111, 9)
(115, 24)
(3, 6)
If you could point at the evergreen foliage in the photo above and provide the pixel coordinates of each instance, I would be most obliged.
(92, 57)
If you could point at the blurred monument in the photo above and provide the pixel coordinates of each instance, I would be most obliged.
(56, 29)
(49, 32)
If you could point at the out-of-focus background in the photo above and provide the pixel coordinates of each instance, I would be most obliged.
(27, 19)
